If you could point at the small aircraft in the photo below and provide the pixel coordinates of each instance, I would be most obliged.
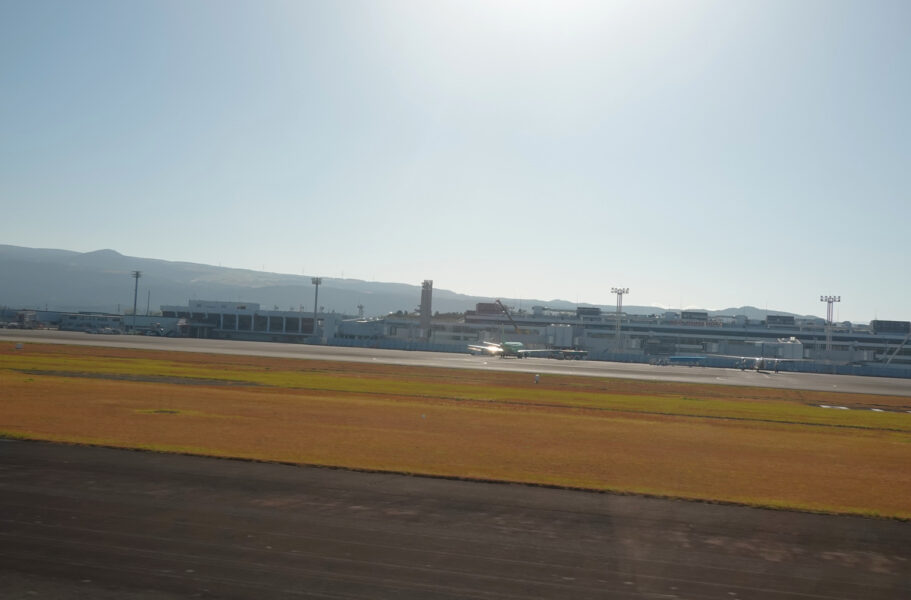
(763, 364)
(516, 349)
(690, 361)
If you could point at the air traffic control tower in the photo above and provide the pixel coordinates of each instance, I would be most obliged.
(426, 309)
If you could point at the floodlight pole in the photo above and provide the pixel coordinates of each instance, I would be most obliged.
(316, 281)
(619, 292)
(136, 275)
(829, 300)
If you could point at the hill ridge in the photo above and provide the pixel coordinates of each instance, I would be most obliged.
(100, 280)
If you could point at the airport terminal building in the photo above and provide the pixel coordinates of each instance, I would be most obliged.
(249, 321)
(604, 335)
(695, 332)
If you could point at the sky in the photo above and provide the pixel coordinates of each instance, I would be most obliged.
(706, 154)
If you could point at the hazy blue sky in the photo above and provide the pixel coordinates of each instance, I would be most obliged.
(705, 154)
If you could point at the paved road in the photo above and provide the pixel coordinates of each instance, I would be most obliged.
(79, 522)
(804, 381)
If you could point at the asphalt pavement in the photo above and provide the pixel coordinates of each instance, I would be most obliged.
(85, 522)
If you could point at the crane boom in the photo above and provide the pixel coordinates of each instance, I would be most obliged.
(508, 316)
(900, 346)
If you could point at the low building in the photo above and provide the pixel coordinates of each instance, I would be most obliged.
(91, 322)
(249, 321)
(113, 323)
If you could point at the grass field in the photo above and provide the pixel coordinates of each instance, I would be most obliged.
(755, 446)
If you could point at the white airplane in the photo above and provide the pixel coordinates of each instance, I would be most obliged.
(516, 349)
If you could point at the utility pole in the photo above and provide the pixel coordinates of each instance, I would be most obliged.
(619, 292)
(316, 281)
(829, 300)
(136, 275)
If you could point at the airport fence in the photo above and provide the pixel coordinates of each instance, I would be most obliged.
(863, 370)
(625, 357)
(798, 366)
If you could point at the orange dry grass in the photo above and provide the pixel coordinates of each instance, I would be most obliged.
(797, 466)
(570, 384)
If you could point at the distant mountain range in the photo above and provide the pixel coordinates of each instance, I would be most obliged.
(101, 281)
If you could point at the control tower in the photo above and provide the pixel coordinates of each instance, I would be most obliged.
(426, 307)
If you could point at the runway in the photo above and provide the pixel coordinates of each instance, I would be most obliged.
(543, 366)
(80, 522)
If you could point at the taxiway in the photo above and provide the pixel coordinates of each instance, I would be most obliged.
(543, 366)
